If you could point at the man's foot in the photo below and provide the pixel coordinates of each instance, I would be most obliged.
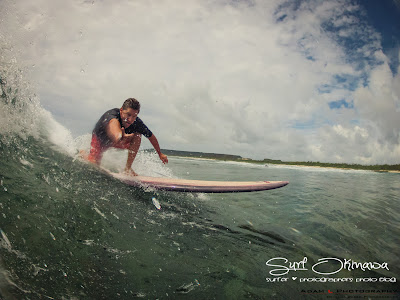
(130, 172)
(83, 154)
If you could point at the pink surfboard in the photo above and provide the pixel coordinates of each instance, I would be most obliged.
(199, 186)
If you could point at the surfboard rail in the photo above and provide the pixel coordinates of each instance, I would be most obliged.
(199, 186)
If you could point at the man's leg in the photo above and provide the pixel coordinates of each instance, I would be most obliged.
(96, 151)
(132, 151)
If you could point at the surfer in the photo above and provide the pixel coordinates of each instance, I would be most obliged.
(122, 128)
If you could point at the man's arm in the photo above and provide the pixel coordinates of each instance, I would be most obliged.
(115, 132)
(154, 142)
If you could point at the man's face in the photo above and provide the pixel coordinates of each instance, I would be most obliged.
(128, 116)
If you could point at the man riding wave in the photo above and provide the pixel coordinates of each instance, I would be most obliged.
(122, 129)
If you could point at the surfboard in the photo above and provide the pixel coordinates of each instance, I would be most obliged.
(198, 186)
(186, 185)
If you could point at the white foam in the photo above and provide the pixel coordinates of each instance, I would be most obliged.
(315, 168)
(145, 163)
(22, 115)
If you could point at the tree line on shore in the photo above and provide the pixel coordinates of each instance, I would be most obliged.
(266, 161)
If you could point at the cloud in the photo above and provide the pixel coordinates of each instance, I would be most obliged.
(378, 104)
(254, 78)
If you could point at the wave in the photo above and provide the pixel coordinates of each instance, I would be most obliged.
(68, 231)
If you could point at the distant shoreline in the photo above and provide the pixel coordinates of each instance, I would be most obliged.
(378, 171)
(291, 165)
(237, 158)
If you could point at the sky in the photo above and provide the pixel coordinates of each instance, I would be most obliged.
(291, 80)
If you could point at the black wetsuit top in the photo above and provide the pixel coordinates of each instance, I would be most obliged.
(100, 128)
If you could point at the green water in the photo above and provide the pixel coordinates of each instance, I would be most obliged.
(70, 232)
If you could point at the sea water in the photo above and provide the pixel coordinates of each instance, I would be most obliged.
(68, 231)
(71, 232)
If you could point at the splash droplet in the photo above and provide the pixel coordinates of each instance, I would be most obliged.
(156, 203)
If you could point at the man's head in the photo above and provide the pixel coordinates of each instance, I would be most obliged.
(131, 103)
(129, 111)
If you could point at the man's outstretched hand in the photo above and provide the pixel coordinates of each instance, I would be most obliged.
(163, 158)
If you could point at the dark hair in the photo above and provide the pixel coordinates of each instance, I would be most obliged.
(131, 103)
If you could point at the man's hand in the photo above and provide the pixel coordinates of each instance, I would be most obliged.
(123, 139)
(126, 136)
(163, 158)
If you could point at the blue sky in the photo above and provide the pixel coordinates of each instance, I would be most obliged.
(384, 16)
(292, 80)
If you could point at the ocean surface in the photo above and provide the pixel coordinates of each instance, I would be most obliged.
(71, 232)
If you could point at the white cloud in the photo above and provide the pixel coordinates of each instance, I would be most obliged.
(377, 104)
(238, 77)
